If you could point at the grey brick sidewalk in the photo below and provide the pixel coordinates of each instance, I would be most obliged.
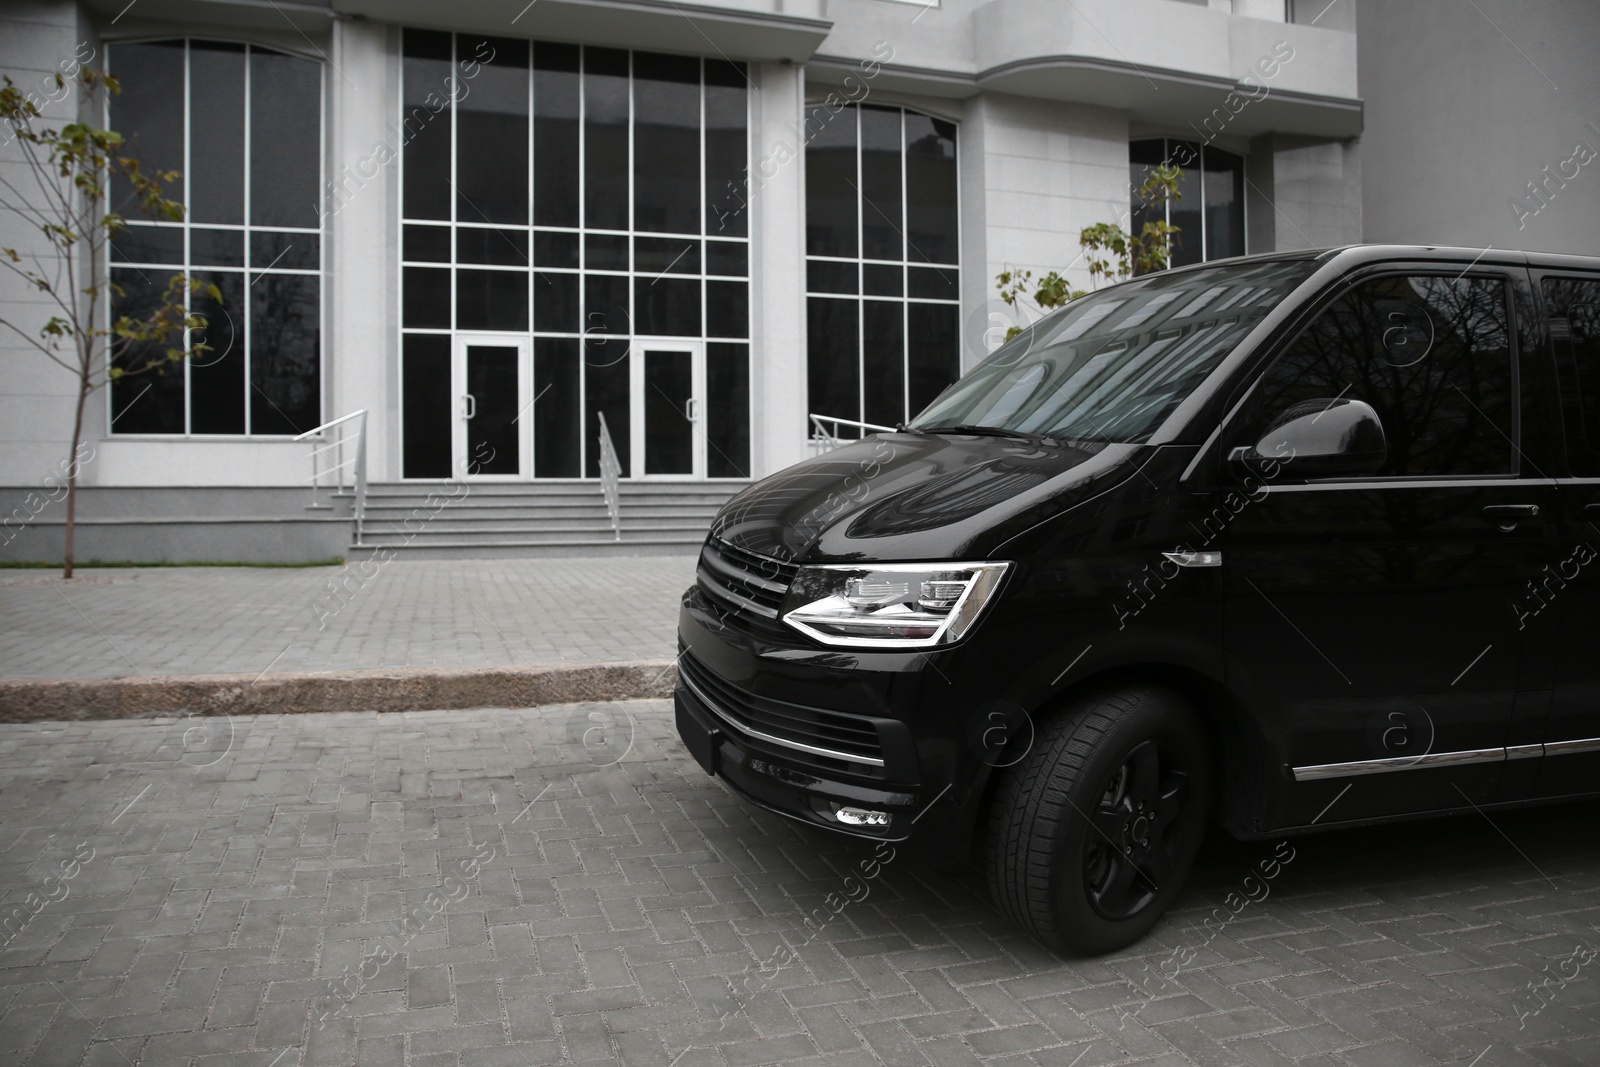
(543, 908)
(233, 620)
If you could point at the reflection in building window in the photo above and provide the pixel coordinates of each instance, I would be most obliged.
(243, 127)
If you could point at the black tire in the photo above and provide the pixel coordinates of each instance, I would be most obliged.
(1072, 855)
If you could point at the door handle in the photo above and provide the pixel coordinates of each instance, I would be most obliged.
(1508, 515)
(690, 406)
(472, 406)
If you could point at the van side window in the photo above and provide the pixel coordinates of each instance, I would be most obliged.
(1431, 354)
(1575, 328)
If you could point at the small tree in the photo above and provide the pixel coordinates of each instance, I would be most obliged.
(69, 169)
(1113, 253)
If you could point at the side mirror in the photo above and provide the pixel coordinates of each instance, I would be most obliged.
(1319, 439)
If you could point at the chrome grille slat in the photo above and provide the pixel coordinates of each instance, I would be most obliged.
(723, 568)
(748, 581)
(815, 731)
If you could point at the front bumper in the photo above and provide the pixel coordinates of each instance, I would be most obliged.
(803, 732)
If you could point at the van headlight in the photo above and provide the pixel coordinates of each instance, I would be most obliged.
(890, 605)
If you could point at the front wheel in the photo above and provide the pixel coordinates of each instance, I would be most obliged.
(1092, 834)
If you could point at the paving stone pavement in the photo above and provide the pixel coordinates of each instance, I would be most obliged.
(563, 885)
(406, 613)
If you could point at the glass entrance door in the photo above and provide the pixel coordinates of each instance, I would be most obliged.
(669, 378)
(490, 381)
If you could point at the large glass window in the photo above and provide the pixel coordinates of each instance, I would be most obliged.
(579, 195)
(882, 262)
(243, 126)
(1209, 213)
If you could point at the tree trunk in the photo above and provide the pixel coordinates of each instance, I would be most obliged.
(72, 475)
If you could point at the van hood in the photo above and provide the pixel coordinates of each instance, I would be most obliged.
(917, 496)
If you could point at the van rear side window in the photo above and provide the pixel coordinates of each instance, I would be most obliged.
(1575, 328)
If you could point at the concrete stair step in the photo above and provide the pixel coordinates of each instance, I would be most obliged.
(540, 513)
(494, 524)
(438, 534)
(707, 490)
(510, 520)
(541, 550)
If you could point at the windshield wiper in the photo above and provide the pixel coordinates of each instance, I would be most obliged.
(984, 431)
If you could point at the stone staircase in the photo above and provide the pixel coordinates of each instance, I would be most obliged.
(498, 520)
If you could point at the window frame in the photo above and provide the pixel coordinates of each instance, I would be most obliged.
(582, 271)
(861, 263)
(246, 272)
(1240, 427)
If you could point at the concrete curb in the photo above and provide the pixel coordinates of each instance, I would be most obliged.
(409, 689)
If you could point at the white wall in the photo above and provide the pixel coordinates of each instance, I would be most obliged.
(1034, 174)
(1461, 116)
(37, 397)
(1315, 195)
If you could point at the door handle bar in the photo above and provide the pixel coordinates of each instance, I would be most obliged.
(472, 406)
(1508, 515)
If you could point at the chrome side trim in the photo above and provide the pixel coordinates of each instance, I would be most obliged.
(1195, 559)
(739, 727)
(1524, 751)
(1502, 482)
(1398, 763)
(1573, 747)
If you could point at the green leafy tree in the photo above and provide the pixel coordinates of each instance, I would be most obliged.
(62, 192)
(1112, 253)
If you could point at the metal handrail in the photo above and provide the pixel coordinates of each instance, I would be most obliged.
(824, 440)
(610, 476)
(357, 463)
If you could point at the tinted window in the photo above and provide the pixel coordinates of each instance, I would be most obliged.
(605, 123)
(242, 125)
(666, 139)
(1431, 354)
(1575, 328)
(881, 206)
(216, 103)
(493, 125)
(555, 134)
(882, 140)
(285, 161)
(628, 152)
(931, 224)
(726, 141)
(425, 126)
(831, 190)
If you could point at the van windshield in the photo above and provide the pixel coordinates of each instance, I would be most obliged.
(1110, 366)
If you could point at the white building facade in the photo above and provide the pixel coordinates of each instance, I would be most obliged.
(493, 226)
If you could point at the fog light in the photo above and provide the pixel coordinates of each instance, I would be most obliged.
(860, 816)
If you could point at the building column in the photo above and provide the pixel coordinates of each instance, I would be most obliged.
(777, 226)
(359, 348)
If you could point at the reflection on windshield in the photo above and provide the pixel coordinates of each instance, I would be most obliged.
(1112, 365)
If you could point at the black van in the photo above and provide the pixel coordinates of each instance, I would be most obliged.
(1282, 541)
